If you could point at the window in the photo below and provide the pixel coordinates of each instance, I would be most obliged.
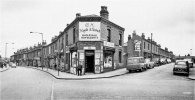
(120, 39)
(66, 38)
(144, 45)
(62, 43)
(109, 35)
(74, 30)
(148, 46)
(120, 60)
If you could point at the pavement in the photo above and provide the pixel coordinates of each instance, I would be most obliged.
(4, 69)
(69, 76)
(192, 73)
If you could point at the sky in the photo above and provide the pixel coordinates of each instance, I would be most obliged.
(172, 22)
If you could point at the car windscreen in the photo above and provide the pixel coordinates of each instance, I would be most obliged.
(133, 61)
(180, 63)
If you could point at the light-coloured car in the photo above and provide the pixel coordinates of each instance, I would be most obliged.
(180, 67)
(149, 63)
(13, 65)
(136, 63)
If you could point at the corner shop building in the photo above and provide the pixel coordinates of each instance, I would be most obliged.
(93, 42)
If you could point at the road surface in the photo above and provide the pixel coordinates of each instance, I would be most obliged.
(154, 84)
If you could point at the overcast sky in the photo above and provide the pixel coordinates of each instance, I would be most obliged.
(170, 21)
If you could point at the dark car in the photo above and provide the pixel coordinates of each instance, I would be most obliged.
(181, 67)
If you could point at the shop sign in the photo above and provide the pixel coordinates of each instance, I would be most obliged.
(89, 31)
(108, 44)
(91, 48)
(137, 45)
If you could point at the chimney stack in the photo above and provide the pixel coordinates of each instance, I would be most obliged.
(78, 14)
(143, 35)
(134, 33)
(104, 13)
(129, 37)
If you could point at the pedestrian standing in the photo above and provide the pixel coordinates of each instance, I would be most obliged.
(79, 70)
(55, 66)
(188, 68)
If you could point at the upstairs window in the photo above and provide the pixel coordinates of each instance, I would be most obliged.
(109, 35)
(148, 46)
(120, 39)
(66, 39)
(74, 37)
(144, 45)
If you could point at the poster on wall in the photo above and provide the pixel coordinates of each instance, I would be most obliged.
(97, 69)
(97, 55)
(81, 56)
(97, 61)
(89, 31)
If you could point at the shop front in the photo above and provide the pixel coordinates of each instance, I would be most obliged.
(95, 57)
(87, 54)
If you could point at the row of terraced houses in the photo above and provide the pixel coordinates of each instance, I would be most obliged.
(92, 41)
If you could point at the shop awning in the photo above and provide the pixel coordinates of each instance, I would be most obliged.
(109, 49)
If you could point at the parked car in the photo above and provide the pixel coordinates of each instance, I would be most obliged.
(149, 63)
(168, 60)
(190, 62)
(136, 63)
(163, 61)
(180, 67)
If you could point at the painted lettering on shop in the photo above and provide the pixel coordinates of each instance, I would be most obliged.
(89, 31)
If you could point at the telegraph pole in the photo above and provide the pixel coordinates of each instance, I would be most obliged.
(151, 47)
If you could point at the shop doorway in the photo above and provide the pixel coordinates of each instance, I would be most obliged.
(89, 61)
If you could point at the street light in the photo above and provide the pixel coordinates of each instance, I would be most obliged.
(151, 46)
(41, 48)
(6, 50)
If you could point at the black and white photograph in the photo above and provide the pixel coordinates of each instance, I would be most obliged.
(97, 50)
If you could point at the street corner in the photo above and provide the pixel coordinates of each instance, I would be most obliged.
(4, 69)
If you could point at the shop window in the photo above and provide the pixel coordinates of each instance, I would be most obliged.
(109, 35)
(74, 59)
(120, 60)
(108, 60)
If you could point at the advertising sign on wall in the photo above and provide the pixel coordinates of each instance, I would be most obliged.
(89, 31)
(137, 45)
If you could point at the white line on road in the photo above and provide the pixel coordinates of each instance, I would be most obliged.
(52, 90)
(187, 92)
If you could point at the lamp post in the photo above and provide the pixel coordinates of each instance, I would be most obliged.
(6, 50)
(41, 48)
(151, 47)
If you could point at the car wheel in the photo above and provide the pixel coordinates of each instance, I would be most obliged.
(130, 71)
(141, 70)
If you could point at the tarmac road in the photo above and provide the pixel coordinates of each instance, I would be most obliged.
(154, 84)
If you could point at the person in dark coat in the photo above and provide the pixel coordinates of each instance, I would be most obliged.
(188, 68)
(79, 70)
(55, 66)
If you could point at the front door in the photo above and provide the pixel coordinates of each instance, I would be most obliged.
(89, 61)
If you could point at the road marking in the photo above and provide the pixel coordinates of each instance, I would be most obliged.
(52, 90)
(187, 92)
